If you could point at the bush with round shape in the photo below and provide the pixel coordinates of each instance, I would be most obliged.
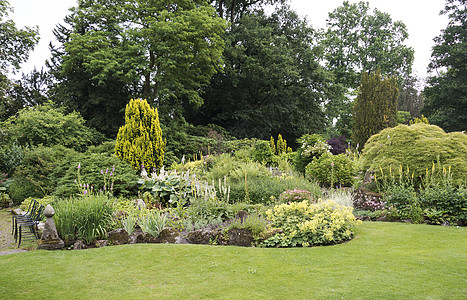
(304, 224)
(332, 170)
(417, 146)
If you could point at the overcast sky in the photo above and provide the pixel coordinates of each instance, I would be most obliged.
(420, 16)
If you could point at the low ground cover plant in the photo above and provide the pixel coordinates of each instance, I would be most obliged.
(309, 224)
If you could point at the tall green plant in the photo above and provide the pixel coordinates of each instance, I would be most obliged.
(139, 141)
(87, 218)
(375, 107)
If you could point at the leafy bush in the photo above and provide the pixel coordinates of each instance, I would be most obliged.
(209, 209)
(48, 126)
(87, 218)
(310, 146)
(266, 189)
(263, 153)
(445, 203)
(11, 156)
(253, 222)
(125, 178)
(417, 146)
(402, 203)
(338, 145)
(34, 177)
(304, 224)
(332, 170)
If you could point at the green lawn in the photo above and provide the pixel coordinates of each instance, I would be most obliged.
(384, 261)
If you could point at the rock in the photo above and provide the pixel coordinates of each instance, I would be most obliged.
(145, 237)
(79, 244)
(102, 243)
(201, 236)
(241, 215)
(118, 237)
(240, 237)
(168, 235)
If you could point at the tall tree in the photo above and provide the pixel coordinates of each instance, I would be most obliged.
(15, 47)
(446, 93)
(357, 41)
(410, 97)
(375, 107)
(159, 50)
(272, 81)
(233, 10)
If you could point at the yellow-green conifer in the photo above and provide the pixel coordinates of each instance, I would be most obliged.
(139, 141)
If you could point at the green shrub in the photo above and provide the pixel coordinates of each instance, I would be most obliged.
(310, 146)
(263, 153)
(48, 126)
(304, 224)
(445, 203)
(253, 222)
(34, 177)
(11, 156)
(43, 201)
(417, 146)
(332, 170)
(125, 178)
(209, 209)
(86, 218)
(297, 195)
(266, 189)
(402, 203)
(139, 141)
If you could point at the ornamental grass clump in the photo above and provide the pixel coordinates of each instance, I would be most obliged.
(304, 224)
(86, 218)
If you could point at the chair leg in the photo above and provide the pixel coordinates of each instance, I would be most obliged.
(20, 231)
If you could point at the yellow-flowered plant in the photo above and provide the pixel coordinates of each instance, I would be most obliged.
(307, 224)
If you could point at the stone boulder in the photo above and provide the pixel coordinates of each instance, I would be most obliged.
(118, 237)
(240, 237)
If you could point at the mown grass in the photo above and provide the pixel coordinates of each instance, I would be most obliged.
(384, 261)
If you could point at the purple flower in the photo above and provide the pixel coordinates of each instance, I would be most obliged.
(106, 171)
(85, 192)
(79, 166)
(102, 172)
(111, 173)
(113, 168)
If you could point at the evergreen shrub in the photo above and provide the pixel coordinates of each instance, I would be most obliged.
(139, 141)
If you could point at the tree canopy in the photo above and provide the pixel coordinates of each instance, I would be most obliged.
(160, 50)
(272, 81)
(446, 93)
(357, 41)
(15, 47)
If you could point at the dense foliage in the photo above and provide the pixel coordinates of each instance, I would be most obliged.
(446, 93)
(139, 141)
(375, 107)
(417, 147)
(48, 125)
(304, 224)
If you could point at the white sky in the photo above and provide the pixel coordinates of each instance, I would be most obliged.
(420, 16)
